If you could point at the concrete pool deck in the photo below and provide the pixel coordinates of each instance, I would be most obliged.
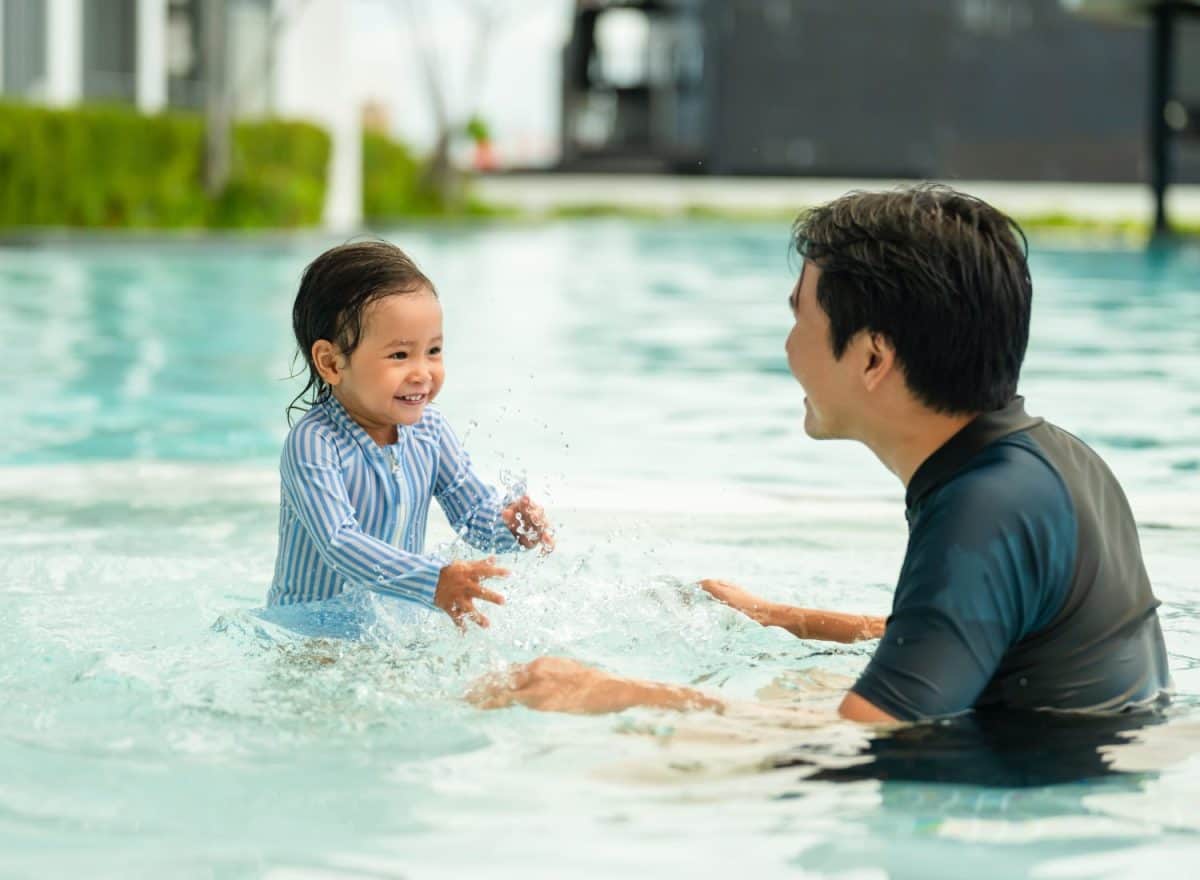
(542, 193)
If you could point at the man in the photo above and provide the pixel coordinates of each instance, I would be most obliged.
(1023, 585)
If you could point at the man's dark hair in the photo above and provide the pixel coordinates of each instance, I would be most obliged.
(940, 274)
(335, 290)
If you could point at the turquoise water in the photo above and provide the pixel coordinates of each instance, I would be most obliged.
(633, 375)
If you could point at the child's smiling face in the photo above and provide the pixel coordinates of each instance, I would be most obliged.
(397, 368)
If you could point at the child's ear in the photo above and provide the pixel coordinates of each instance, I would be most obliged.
(328, 361)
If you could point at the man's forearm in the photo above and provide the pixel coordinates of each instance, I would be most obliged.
(663, 696)
(829, 626)
(557, 684)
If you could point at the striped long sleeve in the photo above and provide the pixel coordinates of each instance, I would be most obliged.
(314, 486)
(353, 513)
(472, 506)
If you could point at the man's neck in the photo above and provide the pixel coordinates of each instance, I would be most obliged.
(910, 436)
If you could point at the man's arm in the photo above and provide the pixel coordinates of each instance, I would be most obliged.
(803, 623)
(855, 708)
(556, 684)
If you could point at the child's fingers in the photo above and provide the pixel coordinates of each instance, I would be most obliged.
(464, 610)
(487, 595)
(515, 507)
(487, 568)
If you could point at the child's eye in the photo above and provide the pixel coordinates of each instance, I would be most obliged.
(399, 355)
(436, 350)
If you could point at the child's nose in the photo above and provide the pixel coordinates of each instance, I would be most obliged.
(421, 371)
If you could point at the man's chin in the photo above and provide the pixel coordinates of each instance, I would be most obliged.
(814, 429)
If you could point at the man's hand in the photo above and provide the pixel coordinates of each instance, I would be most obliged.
(459, 586)
(803, 623)
(758, 610)
(527, 521)
(556, 684)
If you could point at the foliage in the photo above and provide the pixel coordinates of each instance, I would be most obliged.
(477, 130)
(99, 166)
(396, 185)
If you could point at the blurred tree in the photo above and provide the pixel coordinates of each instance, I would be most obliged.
(221, 95)
(442, 180)
(217, 116)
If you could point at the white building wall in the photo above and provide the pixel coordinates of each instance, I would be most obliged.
(151, 55)
(64, 52)
(1, 47)
(313, 81)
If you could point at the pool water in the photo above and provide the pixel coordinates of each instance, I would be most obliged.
(633, 375)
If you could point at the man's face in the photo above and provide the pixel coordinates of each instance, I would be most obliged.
(827, 384)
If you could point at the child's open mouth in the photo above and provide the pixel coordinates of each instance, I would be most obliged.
(412, 399)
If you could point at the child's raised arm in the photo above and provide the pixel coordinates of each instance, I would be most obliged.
(475, 509)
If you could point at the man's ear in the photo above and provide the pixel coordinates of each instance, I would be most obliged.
(328, 361)
(879, 361)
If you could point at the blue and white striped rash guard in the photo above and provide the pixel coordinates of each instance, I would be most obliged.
(353, 513)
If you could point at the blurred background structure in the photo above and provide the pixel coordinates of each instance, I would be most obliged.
(975, 89)
(1096, 91)
(243, 58)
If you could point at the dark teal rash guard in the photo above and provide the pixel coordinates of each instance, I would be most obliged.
(1023, 585)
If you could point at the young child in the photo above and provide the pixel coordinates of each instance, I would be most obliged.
(359, 468)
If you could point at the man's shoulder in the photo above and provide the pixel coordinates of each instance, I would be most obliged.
(1070, 455)
(1010, 477)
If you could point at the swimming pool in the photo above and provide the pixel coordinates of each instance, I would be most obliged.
(633, 374)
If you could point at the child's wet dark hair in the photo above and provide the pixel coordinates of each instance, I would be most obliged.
(335, 291)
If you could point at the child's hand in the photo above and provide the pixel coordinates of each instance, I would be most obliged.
(458, 587)
(527, 521)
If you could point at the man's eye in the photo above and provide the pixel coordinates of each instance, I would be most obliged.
(399, 355)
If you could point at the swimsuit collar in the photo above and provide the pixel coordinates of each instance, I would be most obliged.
(954, 454)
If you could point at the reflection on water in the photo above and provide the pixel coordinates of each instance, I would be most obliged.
(994, 749)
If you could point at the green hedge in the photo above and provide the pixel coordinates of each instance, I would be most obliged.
(113, 167)
(392, 181)
(395, 186)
